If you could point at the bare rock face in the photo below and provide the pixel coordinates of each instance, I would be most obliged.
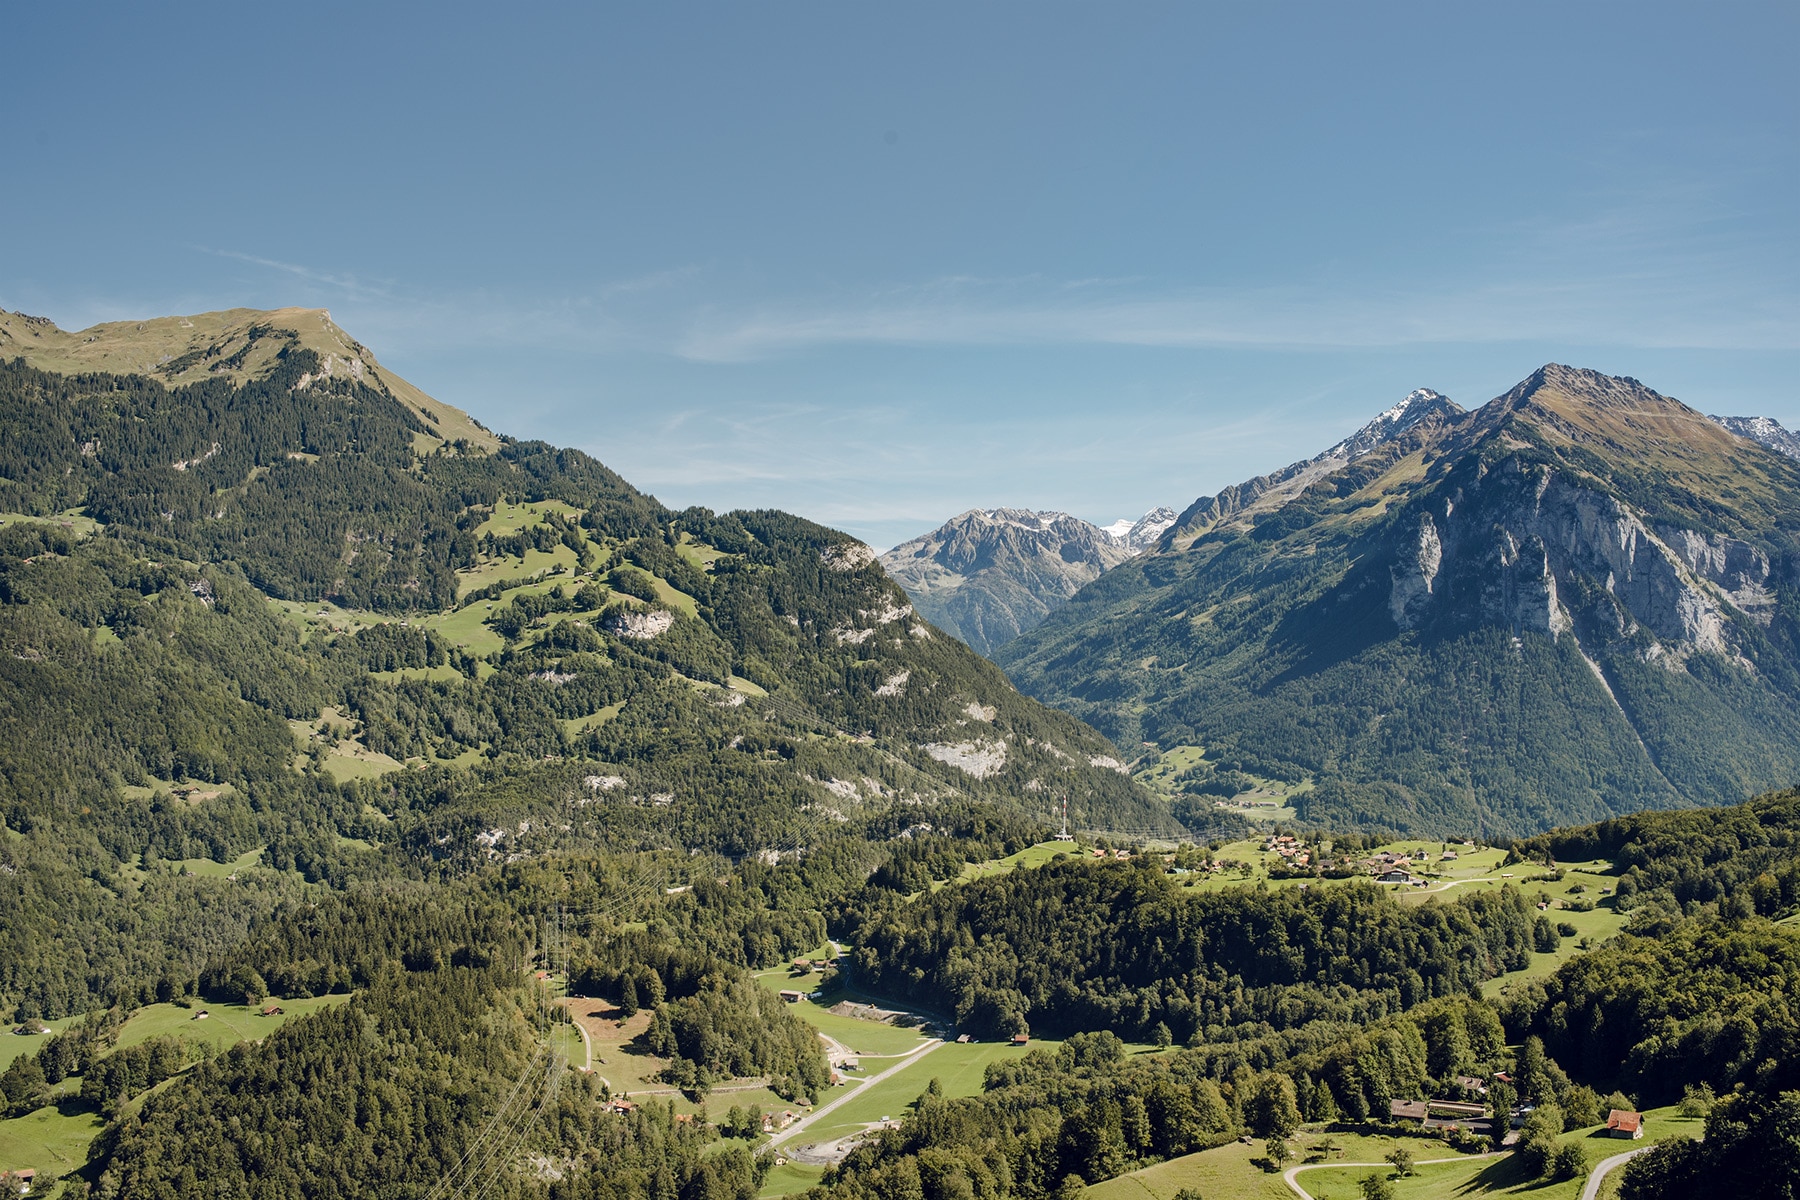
(1524, 534)
(1415, 574)
(640, 626)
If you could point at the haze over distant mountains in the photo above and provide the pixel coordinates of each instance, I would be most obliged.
(988, 575)
(1577, 600)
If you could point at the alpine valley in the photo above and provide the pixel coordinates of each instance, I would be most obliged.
(396, 809)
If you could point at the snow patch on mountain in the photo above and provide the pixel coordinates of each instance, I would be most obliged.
(1766, 431)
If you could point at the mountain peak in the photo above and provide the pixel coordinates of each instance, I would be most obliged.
(1420, 404)
(1421, 407)
(1141, 534)
(238, 344)
(989, 574)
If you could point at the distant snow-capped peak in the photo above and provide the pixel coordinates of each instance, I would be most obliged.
(1419, 404)
(1765, 430)
(1139, 535)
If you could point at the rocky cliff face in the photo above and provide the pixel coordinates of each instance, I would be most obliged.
(990, 574)
(1511, 537)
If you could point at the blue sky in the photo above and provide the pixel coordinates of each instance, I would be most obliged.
(877, 264)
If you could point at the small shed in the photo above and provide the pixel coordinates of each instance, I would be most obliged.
(1020, 1039)
(1623, 1124)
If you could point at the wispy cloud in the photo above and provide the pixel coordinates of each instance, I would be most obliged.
(1643, 310)
(351, 285)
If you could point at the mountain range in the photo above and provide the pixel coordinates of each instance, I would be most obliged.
(1576, 600)
(987, 575)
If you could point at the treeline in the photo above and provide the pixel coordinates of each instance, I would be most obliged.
(1074, 945)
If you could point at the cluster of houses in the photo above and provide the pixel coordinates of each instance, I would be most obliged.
(1388, 867)
(1290, 849)
(1472, 1116)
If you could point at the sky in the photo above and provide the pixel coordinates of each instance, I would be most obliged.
(879, 264)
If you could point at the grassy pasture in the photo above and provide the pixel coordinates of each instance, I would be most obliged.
(48, 1140)
(1267, 800)
(509, 517)
(789, 1178)
(72, 520)
(1031, 856)
(1502, 1175)
(534, 562)
(1228, 1170)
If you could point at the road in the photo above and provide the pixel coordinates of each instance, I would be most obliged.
(1606, 1165)
(807, 1122)
(1291, 1175)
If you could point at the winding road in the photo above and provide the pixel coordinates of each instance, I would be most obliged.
(1291, 1175)
(1606, 1165)
(862, 1085)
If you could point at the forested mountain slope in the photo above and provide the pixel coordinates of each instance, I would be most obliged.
(222, 600)
(1577, 600)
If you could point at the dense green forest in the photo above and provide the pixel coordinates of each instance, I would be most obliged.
(1072, 946)
(1696, 1001)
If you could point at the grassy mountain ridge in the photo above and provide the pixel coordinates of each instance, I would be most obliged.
(238, 345)
(1577, 600)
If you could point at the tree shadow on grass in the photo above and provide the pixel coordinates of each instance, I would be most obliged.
(1508, 1171)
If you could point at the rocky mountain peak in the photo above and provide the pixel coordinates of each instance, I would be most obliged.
(1420, 404)
(1421, 412)
(986, 575)
(1764, 431)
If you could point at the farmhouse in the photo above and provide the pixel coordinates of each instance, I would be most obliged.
(1408, 1110)
(792, 996)
(18, 1183)
(1020, 1039)
(1622, 1124)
